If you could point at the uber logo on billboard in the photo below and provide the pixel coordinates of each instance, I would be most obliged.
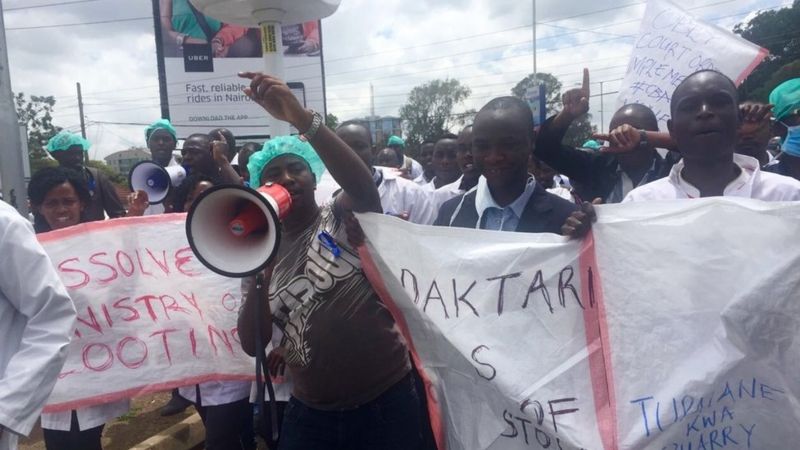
(198, 58)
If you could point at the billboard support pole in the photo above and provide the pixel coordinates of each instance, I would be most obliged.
(272, 46)
(162, 75)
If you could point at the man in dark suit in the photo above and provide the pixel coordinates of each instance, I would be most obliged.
(506, 197)
(604, 175)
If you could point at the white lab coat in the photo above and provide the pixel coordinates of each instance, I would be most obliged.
(88, 418)
(37, 318)
(399, 195)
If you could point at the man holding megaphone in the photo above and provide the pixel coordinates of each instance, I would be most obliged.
(348, 361)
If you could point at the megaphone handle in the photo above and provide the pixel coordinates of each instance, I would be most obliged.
(261, 365)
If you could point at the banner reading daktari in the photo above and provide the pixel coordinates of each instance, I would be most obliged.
(671, 45)
(150, 316)
(673, 326)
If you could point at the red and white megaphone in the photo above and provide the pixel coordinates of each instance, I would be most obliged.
(234, 230)
(155, 180)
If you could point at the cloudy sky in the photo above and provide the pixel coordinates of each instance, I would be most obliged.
(108, 46)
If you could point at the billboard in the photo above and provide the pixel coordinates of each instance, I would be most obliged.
(199, 57)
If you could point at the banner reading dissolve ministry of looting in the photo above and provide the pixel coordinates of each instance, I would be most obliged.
(150, 316)
(674, 327)
(671, 45)
(202, 56)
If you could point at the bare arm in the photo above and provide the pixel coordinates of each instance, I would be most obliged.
(345, 166)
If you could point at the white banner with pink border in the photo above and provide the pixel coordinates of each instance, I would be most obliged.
(673, 326)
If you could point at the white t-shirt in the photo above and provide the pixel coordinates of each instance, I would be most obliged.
(751, 183)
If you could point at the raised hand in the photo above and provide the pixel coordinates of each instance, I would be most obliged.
(275, 96)
(219, 148)
(755, 112)
(576, 101)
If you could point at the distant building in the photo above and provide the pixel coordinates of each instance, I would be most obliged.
(383, 127)
(124, 160)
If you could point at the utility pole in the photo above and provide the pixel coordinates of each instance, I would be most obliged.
(371, 100)
(534, 39)
(80, 111)
(602, 117)
(11, 166)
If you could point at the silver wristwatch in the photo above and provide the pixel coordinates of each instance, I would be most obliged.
(316, 123)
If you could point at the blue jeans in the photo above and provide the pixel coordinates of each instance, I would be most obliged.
(390, 422)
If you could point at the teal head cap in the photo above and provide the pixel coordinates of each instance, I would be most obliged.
(280, 146)
(64, 140)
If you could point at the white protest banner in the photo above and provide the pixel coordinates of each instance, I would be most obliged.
(150, 316)
(671, 45)
(671, 327)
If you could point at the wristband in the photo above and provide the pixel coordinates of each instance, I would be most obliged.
(643, 139)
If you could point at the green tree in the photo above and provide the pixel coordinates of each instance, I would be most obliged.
(428, 111)
(787, 72)
(777, 31)
(331, 121)
(36, 112)
(552, 90)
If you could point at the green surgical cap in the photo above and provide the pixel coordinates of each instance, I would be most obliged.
(396, 140)
(280, 146)
(64, 140)
(160, 124)
(592, 144)
(786, 98)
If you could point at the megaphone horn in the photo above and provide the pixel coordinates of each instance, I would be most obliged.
(155, 180)
(234, 230)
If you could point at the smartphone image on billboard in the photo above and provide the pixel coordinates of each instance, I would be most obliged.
(299, 91)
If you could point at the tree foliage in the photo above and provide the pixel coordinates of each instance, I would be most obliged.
(428, 112)
(109, 172)
(579, 132)
(36, 112)
(552, 89)
(331, 121)
(779, 32)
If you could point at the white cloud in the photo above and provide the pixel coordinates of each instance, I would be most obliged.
(116, 62)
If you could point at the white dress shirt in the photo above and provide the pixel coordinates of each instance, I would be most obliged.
(421, 180)
(500, 218)
(751, 183)
(37, 318)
